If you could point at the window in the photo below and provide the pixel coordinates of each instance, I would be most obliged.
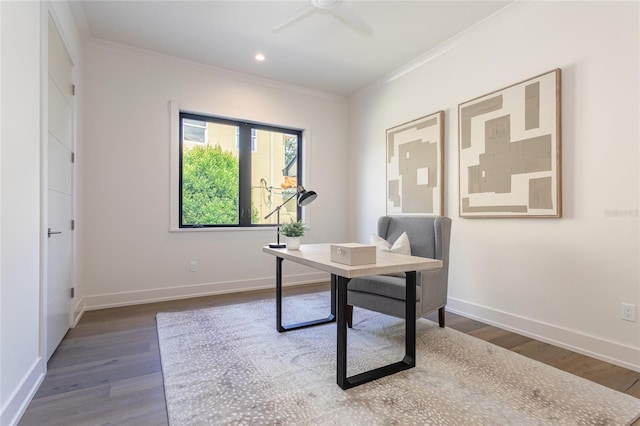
(253, 139)
(234, 173)
(194, 131)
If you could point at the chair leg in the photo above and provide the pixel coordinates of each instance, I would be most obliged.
(349, 313)
(441, 317)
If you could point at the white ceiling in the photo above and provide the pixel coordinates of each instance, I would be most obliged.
(318, 51)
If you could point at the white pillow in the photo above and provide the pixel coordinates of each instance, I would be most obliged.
(401, 245)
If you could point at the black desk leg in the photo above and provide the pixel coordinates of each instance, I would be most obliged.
(279, 326)
(334, 284)
(409, 360)
(343, 382)
(410, 320)
(279, 293)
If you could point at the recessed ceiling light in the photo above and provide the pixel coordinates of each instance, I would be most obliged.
(259, 57)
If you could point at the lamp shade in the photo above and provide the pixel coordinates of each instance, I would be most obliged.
(305, 197)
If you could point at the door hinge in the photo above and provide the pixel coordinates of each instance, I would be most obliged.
(73, 225)
(73, 292)
(73, 157)
(73, 90)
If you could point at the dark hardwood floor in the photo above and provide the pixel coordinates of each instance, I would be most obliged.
(107, 369)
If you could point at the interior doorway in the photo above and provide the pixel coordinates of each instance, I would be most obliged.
(59, 202)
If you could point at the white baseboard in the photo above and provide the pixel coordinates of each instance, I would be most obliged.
(16, 405)
(595, 347)
(111, 300)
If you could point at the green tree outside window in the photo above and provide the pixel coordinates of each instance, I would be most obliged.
(209, 186)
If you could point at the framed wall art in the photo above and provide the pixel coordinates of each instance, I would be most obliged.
(509, 151)
(415, 159)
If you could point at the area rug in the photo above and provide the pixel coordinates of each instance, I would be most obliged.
(229, 366)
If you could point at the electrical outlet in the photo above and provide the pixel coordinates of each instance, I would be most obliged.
(628, 312)
(194, 266)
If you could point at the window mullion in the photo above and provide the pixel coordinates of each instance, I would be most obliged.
(299, 170)
(244, 156)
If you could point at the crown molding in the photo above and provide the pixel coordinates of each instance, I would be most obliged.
(80, 18)
(209, 69)
(507, 12)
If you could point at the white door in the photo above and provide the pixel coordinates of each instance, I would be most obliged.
(59, 204)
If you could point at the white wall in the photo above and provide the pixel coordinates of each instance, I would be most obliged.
(20, 205)
(129, 254)
(561, 280)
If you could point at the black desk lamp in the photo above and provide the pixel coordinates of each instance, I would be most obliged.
(304, 197)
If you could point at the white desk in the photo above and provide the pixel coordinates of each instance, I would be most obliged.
(318, 256)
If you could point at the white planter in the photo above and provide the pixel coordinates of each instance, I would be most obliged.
(293, 243)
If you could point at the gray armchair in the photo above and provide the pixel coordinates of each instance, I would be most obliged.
(429, 237)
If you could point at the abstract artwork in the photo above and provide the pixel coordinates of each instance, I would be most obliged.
(510, 151)
(415, 166)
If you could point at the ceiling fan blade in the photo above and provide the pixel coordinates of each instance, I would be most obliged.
(347, 15)
(306, 10)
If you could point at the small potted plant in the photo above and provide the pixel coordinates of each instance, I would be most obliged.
(293, 231)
